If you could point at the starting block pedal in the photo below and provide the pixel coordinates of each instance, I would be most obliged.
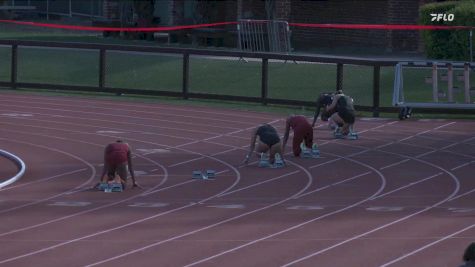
(278, 162)
(210, 174)
(116, 187)
(353, 136)
(338, 134)
(197, 175)
(315, 151)
(264, 161)
(306, 153)
(102, 186)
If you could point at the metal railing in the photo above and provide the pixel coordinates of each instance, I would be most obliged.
(20, 165)
(185, 93)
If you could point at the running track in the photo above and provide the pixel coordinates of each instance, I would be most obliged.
(401, 195)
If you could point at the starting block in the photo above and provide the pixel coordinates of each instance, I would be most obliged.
(278, 162)
(197, 175)
(315, 151)
(210, 174)
(338, 134)
(264, 161)
(102, 186)
(116, 187)
(353, 136)
(307, 153)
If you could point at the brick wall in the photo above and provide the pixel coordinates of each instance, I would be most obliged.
(111, 9)
(343, 11)
(253, 9)
(283, 9)
(403, 12)
(356, 12)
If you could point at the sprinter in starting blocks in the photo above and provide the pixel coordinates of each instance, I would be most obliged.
(268, 145)
(302, 141)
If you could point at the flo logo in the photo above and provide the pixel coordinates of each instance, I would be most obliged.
(442, 17)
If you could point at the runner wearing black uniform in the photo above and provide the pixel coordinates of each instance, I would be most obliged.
(324, 100)
(269, 141)
(344, 115)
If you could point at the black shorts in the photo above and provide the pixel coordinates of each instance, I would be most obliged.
(348, 116)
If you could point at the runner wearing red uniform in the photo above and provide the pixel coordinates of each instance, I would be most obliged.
(303, 131)
(117, 157)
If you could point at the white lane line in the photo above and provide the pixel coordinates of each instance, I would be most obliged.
(382, 176)
(198, 230)
(198, 158)
(337, 183)
(91, 177)
(43, 179)
(260, 183)
(120, 106)
(427, 246)
(60, 110)
(395, 164)
(462, 165)
(409, 185)
(382, 186)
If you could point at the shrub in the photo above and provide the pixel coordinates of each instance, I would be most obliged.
(448, 44)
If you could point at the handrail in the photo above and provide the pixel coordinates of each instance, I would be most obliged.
(18, 162)
(339, 61)
(207, 52)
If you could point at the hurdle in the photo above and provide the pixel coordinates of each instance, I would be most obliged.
(451, 103)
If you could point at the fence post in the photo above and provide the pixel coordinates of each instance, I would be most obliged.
(376, 91)
(186, 74)
(102, 68)
(14, 66)
(339, 76)
(264, 85)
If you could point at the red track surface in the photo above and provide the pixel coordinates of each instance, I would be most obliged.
(401, 195)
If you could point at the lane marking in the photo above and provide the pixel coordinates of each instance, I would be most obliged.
(385, 209)
(70, 203)
(14, 115)
(148, 205)
(305, 207)
(109, 132)
(228, 206)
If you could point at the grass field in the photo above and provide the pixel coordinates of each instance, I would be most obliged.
(302, 81)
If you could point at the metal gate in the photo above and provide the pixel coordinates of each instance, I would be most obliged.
(264, 36)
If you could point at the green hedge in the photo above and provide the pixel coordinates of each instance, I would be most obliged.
(448, 44)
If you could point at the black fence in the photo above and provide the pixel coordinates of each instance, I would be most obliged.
(185, 93)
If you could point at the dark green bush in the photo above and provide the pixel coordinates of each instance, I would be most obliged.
(448, 44)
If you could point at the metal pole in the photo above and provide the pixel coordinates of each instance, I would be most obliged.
(239, 28)
(466, 78)
(339, 76)
(450, 82)
(186, 72)
(70, 9)
(47, 9)
(102, 68)
(14, 66)
(376, 90)
(435, 89)
(264, 84)
(471, 45)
